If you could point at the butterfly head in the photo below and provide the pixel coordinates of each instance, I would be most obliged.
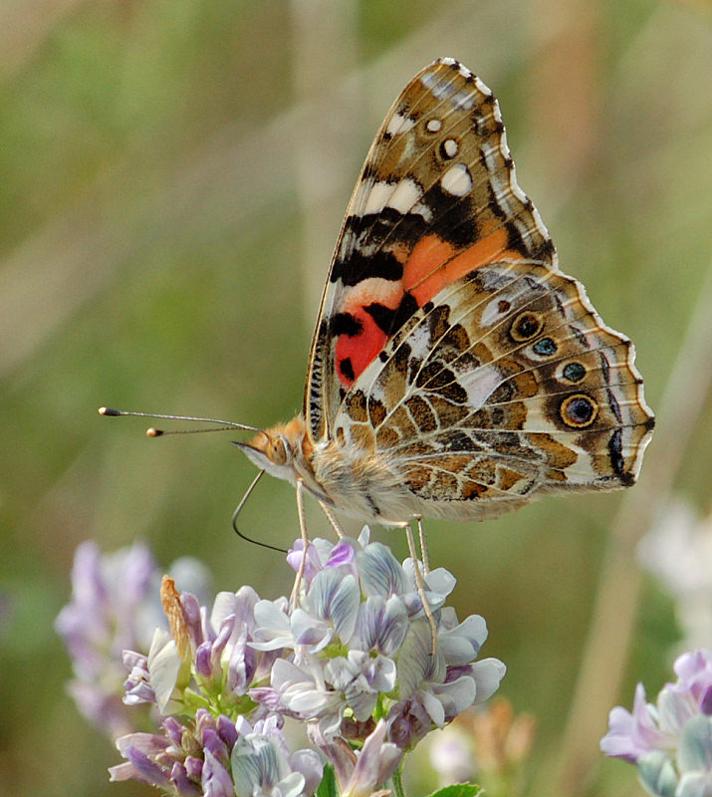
(278, 449)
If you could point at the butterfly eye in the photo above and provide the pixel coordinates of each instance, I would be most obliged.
(278, 451)
(578, 411)
(574, 372)
(526, 326)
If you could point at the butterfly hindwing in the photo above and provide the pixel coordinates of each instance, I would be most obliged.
(437, 198)
(507, 383)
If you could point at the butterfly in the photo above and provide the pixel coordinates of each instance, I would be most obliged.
(455, 372)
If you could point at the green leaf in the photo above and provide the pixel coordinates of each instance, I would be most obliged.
(327, 787)
(459, 790)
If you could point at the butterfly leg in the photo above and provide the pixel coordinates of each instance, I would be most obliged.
(294, 598)
(332, 519)
(420, 585)
(423, 545)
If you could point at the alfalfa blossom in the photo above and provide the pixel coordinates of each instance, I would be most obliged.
(115, 606)
(352, 660)
(670, 742)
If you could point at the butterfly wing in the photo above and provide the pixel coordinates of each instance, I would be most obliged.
(505, 384)
(437, 197)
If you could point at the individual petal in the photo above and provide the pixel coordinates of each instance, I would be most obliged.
(272, 626)
(313, 563)
(307, 630)
(291, 785)
(657, 774)
(183, 784)
(227, 731)
(376, 762)
(695, 784)
(145, 769)
(461, 644)
(122, 772)
(381, 673)
(695, 750)
(394, 626)
(193, 618)
(203, 663)
(335, 597)
(164, 667)
(455, 696)
(308, 763)
(382, 624)
(488, 674)
(416, 662)
(216, 780)
(381, 573)
(675, 708)
(343, 553)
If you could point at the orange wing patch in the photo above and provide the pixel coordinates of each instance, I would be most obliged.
(434, 264)
(377, 309)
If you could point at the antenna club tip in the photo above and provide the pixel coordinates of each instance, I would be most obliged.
(107, 411)
(153, 432)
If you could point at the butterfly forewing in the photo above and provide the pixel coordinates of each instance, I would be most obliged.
(437, 197)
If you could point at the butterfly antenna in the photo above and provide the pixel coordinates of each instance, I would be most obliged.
(237, 511)
(221, 425)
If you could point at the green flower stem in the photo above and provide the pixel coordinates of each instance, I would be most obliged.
(397, 780)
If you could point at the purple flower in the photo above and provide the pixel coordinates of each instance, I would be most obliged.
(359, 640)
(114, 606)
(187, 758)
(360, 774)
(263, 767)
(670, 742)
(354, 660)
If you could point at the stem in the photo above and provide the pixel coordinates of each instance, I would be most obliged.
(397, 780)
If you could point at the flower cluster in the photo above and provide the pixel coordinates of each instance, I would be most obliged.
(669, 742)
(115, 606)
(353, 661)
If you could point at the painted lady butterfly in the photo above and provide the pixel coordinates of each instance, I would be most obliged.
(455, 371)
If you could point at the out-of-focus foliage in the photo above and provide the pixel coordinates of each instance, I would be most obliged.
(173, 175)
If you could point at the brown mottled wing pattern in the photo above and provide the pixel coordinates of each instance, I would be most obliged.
(505, 384)
(437, 198)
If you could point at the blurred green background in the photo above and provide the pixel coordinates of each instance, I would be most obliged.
(173, 178)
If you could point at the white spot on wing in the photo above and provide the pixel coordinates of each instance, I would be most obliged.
(378, 197)
(405, 196)
(450, 147)
(457, 180)
(434, 125)
(492, 313)
(398, 123)
(419, 341)
(480, 384)
(402, 196)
